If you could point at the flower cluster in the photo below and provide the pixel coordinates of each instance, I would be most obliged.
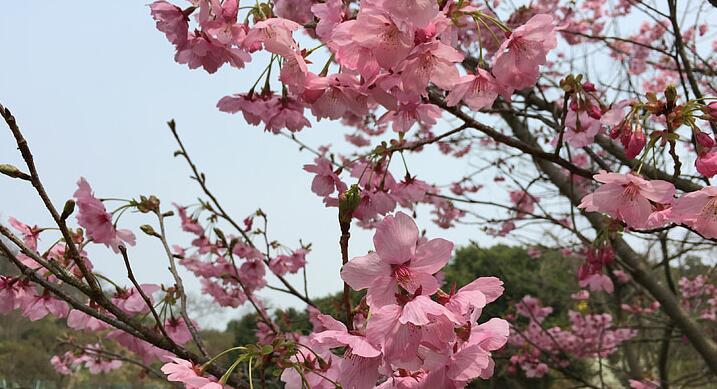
(641, 203)
(589, 335)
(411, 330)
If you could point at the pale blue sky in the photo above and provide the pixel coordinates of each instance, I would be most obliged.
(92, 85)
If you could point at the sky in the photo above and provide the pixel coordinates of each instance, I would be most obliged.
(93, 84)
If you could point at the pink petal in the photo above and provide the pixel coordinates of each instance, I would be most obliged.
(432, 256)
(361, 272)
(395, 238)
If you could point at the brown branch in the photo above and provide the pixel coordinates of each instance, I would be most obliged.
(180, 287)
(636, 265)
(130, 275)
(201, 179)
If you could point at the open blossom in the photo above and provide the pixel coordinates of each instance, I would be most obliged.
(386, 41)
(171, 21)
(412, 14)
(43, 304)
(627, 197)
(79, 320)
(581, 128)
(472, 298)
(399, 260)
(275, 34)
(326, 180)
(180, 370)
(298, 11)
(321, 375)
(201, 51)
(335, 96)
(477, 90)
(517, 60)
(285, 112)
(282, 264)
(131, 301)
(30, 235)
(97, 221)
(698, 210)
(473, 359)
(411, 113)
(330, 14)
(432, 61)
(524, 202)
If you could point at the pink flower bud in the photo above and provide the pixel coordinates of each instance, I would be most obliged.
(573, 105)
(635, 144)
(711, 110)
(704, 139)
(594, 112)
(589, 87)
(706, 164)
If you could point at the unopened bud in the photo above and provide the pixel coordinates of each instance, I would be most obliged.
(671, 95)
(68, 209)
(704, 139)
(711, 111)
(589, 87)
(148, 204)
(147, 229)
(12, 171)
(348, 202)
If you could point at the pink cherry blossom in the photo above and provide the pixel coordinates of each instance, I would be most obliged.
(79, 320)
(412, 14)
(335, 96)
(252, 106)
(274, 34)
(97, 221)
(177, 330)
(627, 197)
(283, 264)
(399, 260)
(326, 180)
(171, 21)
(30, 235)
(62, 365)
(516, 62)
(698, 210)
(131, 301)
(298, 11)
(472, 298)
(477, 90)
(706, 164)
(201, 51)
(433, 61)
(330, 14)
(43, 304)
(378, 33)
(580, 128)
(180, 370)
(285, 112)
(411, 113)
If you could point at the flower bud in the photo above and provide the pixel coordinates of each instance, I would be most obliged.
(706, 164)
(636, 143)
(12, 171)
(594, 112)
(704, 139)
(67, 209)
(711, 111)
(147, 229)
(589, 86)
(671, 95)
(148, 204)
(348, 202)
